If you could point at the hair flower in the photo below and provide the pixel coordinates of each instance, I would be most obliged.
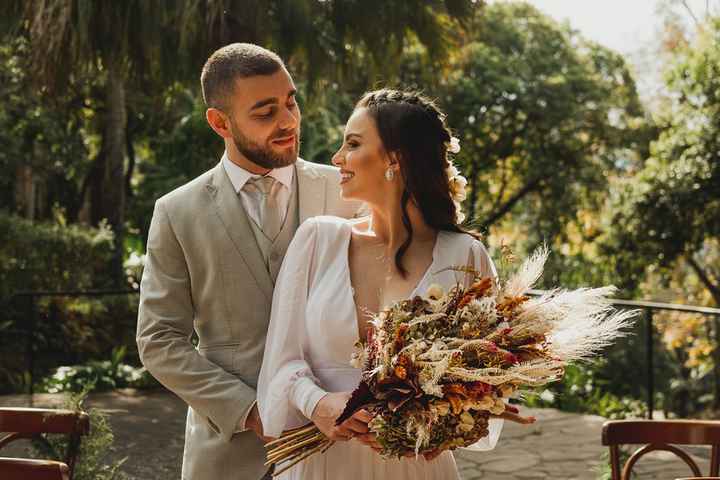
(454, 146)
(457, 185)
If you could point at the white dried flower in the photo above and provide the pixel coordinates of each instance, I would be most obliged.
(454, 146)
(460, 216)
(435, 291)
(457, 187)
(498, 408)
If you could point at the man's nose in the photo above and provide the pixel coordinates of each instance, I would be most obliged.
(289, 119)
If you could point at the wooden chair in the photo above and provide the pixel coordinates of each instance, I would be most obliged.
(698, 478)
(660, 435)
(32, 423)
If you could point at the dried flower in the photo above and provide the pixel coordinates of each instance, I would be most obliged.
(454, 146)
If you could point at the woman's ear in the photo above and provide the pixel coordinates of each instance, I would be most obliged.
(394, 161)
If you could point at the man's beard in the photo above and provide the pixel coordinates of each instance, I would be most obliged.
(264, 156)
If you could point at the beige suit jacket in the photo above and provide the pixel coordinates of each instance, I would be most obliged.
(205, 273)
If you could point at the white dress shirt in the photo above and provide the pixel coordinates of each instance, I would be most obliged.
(251, 198)
(251, 203)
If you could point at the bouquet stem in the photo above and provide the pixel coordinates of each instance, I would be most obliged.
(294, 446)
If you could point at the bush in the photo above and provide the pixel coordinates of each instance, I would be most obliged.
(46, 256)
(583, 391)
(97, 376)
(41, 256)
(94, 447)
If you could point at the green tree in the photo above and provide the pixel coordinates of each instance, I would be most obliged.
(122, 47)
(670, 210)
(546, 120)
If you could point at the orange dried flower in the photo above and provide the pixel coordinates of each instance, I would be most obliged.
(455, 388)
(509, 305)
(477, 289)
(456, 403)
(398, 341)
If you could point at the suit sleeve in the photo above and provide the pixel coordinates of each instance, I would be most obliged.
(164, 330)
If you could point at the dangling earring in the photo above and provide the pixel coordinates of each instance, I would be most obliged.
(389, 174)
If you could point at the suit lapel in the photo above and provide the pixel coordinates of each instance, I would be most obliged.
(233, 216)
(311, 190)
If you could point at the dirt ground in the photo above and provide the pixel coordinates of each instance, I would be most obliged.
(149, 432)
(149, 428)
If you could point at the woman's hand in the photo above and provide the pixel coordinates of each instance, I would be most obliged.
(512, 414)
(329, 409)
(368, 438)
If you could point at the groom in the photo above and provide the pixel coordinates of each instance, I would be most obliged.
(214, 250)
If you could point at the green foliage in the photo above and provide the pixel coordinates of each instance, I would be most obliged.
(92, 461)
(583, 390)
(605, 471)
(43, 256)
(671, 208)
(50, 256)
(97, 376)
(529, 97)
(546, 119)
(183, 148)
(43, 135)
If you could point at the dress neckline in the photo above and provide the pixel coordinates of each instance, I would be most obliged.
(351, 289)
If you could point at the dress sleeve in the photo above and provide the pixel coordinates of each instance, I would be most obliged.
(479, 258)
(288, 391)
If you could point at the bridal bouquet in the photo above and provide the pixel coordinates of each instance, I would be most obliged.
(436, 369)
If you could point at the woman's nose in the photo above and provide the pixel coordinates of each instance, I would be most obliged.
(337, 159)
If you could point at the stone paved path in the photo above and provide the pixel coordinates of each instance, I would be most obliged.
(149, 431)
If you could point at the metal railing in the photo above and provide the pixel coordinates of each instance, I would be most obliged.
(649, 308)
(30, 314)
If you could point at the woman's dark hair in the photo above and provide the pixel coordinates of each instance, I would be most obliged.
(413, 127)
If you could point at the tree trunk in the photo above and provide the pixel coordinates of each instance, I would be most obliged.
(473, 191)
(714, 290)
(25, 191)
(507, 206)
(114, 172)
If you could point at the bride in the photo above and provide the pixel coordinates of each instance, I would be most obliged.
(394, 158)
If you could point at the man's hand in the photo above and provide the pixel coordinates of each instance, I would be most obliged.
(253, 422)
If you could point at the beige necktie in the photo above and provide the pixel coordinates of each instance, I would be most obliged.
(270, 214)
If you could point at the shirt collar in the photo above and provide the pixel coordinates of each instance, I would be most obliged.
(239, 176)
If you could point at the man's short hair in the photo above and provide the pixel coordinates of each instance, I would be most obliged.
(227, 64)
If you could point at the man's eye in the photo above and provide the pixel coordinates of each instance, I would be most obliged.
(267, 114)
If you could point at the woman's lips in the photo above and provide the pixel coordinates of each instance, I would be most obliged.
(346, 176)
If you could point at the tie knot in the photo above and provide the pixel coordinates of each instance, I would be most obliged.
(264, 184)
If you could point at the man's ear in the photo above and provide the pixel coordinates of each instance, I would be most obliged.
(218, 121)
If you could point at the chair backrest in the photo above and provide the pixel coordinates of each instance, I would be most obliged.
(31, 423)
(660, 435)
(698, 478)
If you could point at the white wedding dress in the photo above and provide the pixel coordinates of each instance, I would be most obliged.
(312, 332)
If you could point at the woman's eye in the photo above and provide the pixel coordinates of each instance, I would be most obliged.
(352, 144)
